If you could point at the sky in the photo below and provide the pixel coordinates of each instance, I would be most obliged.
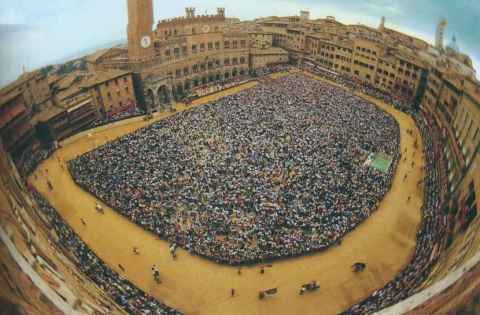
(37, 33)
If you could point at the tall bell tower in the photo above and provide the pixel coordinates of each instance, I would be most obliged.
(140, 34)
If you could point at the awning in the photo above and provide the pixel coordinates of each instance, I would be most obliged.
(87, 101)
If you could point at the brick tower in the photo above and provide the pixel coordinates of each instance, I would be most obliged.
(140, 23)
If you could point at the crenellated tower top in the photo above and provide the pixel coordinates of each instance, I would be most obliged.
(191, 18)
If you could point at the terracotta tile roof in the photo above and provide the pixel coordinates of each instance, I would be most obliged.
(10, 114)
(47, 114)
(96, 55)
(9, 96)
(103, 76)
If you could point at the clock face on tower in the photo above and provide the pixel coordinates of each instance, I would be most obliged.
(146, 41)
(205, 28)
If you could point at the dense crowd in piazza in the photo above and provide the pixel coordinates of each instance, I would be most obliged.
(273, 171)
(125, 294)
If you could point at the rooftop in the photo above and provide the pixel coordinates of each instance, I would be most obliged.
(47, 114)
(74, 101)
(70, 79)
(24, 78)
(92, 58)
(69, 92)
(4, 99)
(103, 76)
(96, 55)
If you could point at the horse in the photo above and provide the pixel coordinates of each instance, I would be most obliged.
(308, 287)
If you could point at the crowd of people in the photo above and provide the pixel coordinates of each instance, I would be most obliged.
(208, 89)
(124, 293)
(130, 112)
(269, 69)
(276, 170)
(31, 159)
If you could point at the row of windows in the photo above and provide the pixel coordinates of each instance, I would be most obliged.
(384, 83)
(371, 67)
(332, 48)
(119, 93)
(404, 82)
(346, 69)
(367, 50)
(333, 65)
(175, 32)
(381, 62)
(115, 82)
(465, 127)
(211, 78)
(362, 64)
(296, 38)
(209, 65)
(332, 56)
(409, 65)
(120, 104)
(405, 87)
(205, 46)
(407, 73)
(386, 73)
(366, 57)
